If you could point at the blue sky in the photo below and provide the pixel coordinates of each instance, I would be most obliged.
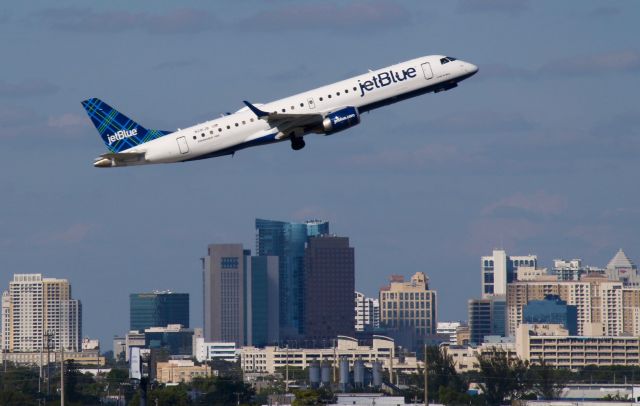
(537, 153)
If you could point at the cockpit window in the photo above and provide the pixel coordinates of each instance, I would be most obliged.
(443, 61)
(450, 58)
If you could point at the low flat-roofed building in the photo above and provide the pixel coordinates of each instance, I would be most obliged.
(206, 351)
(551, 344)
(267, 359)
(465, 358)
(91, 357)
(176, 371)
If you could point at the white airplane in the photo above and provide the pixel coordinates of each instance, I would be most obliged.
(325, 110)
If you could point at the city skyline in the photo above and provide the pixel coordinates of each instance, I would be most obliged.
(528, 156)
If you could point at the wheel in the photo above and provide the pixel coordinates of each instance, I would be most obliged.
(297, 143)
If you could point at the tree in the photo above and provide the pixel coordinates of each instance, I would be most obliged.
(502, 377)
(547, 381)
(222, 391)
(309, 397)
(441, 374)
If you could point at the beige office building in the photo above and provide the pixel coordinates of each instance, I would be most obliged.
(409, 304)
(602, 304)
(34, 306)
(177, 371)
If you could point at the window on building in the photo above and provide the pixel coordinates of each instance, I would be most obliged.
(229, 262)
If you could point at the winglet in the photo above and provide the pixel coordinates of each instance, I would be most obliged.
(257, 111)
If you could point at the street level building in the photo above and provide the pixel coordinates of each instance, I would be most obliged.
(266, 360)
(487, 317)
(180, 371)
(552, 344)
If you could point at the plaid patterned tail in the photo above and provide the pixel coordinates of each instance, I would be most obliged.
(118, 131)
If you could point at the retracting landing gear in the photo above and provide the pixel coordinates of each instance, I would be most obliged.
(297, 143)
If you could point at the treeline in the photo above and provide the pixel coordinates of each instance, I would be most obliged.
(503, 379)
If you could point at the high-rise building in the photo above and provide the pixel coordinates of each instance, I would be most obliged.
(573, 270)
(500, 269)
(34, 306)
(622, 269)
(449, 329)
(263, 302)
(598, 300)
(224, 276)
(487, 317)
(551, 310)
(287, 242)
(158, 309)
(329, 283)
(409, 305)
(367, 312)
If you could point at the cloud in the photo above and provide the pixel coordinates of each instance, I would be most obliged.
(351, 17)
(174, 65)
(416, 157)
(523, 204)
(68, 123)
(17, 120)
(481, 121)
(73, 234)
(493, 6)
(27, 88)
(85, 20)
(594, 64)
(597, 64)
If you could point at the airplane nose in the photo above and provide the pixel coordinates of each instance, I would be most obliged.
(472, 69)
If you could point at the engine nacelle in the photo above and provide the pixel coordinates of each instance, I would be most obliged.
(340, 120)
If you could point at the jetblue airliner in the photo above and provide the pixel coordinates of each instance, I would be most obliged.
(325, 110)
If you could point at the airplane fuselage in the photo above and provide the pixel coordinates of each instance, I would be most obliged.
(244, 128)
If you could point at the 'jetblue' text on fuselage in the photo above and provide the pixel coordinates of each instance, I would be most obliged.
(386, 78)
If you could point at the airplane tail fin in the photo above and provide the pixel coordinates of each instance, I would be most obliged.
(118, 131)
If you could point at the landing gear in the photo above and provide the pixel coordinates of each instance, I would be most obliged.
(297, 143)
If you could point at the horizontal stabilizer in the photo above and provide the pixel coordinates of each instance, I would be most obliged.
(109, 160)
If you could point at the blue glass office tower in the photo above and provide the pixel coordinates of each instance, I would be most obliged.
(287, 242)
(158, 309)
(551, 310)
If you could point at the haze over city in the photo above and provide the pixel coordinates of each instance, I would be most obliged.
(536, 154)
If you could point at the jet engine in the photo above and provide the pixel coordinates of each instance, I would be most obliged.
(340, 120)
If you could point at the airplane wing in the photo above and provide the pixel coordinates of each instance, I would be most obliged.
(285, 122)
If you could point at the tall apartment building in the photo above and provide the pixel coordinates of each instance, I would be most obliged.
(287, 241)
(158, 309)
(573, 270)
(224, 279)
(500, 269)
(329, 283)
(367, 312)
(599, 302)
(409, 305)
(34, 306)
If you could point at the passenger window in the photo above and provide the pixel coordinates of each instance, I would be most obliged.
(243, 122)
(329, 96)
(301, 104)
(283, 110)
(355, 88)
(346, 90)
(337, 93)
(219, 130)
(252, 120)
(321, 99)
(236, 124)
(228, 127)
(194, 137)
(292, 107)
(211, 132)
(202, 135)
